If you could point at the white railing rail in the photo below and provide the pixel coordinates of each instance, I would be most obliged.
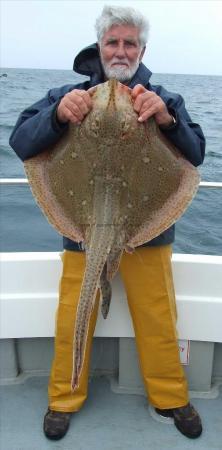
(13, 181)
(203, 184)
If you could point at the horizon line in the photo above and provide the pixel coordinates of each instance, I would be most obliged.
(71, 70)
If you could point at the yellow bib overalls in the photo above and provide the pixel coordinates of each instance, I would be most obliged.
(147, 277)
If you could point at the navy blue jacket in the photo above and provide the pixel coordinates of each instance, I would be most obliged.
(37, 127)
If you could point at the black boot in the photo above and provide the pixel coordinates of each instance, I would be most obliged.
(56, 424)
(186, 419)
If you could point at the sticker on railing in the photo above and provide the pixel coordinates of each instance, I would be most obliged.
(184, 346)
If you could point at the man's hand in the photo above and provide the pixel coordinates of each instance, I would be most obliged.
(74, 106)
(147, 104)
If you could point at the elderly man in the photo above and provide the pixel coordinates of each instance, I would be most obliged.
(122, 36)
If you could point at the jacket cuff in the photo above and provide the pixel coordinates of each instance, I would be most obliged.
(174, 125)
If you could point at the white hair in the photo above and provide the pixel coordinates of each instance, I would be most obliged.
(116, 15)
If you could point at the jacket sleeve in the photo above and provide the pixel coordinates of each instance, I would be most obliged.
(37, 127)
(186, 135)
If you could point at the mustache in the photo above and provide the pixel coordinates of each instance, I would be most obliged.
(118, 61)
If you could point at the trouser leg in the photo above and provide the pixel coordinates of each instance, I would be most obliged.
(61, 398)
(147, 277)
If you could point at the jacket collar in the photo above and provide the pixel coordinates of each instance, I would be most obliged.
(87, 62)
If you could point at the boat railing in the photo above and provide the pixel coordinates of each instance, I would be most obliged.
(33, 298)
(203, 184)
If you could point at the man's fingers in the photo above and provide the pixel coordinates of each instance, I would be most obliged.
(140, 100)
(138, 89)
(85, 95)
(80, 98)
(78, 101)
(74, 106)
(148, 104)
(151, 109)
(81, 106)
(147, 114)
(76, 109)
(70, 116)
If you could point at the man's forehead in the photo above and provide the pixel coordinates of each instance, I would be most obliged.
(122, 31)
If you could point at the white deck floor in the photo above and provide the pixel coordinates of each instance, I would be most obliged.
(108, 421)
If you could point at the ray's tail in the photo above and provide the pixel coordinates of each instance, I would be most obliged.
(101, 237)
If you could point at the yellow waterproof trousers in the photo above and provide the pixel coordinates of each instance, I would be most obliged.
(147, 276)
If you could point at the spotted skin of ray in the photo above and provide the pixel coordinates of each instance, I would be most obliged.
(112, 183)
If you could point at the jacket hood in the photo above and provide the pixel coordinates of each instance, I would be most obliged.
(88, 63)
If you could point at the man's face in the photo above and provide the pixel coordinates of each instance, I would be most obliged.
(121, 52)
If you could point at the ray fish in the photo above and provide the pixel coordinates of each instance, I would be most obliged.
(112, 183)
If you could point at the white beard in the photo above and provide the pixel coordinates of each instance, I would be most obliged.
(122, 74)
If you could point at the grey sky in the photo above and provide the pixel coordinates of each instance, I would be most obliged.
(185, 36)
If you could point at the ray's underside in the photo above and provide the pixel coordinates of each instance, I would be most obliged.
(114, 184)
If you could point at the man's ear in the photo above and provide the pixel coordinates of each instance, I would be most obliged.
(142, 53)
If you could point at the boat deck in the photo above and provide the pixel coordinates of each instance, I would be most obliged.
(108, 421)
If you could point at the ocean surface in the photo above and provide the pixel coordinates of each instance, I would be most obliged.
(22, 225)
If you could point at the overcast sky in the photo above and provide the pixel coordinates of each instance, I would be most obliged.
(185, 36)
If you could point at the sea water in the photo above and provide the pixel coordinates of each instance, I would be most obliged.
(22, 225)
